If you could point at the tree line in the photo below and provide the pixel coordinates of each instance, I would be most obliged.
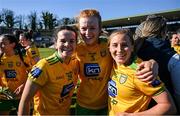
(46, 20)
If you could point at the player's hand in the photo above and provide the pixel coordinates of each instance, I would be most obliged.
(147, 71)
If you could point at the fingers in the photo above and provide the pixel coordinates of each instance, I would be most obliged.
(140, 66)
(141, 70)
(147, 71)
(147, 77)
(17, 92)
(145, 74)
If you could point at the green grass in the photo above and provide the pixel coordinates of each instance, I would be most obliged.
(45, 52)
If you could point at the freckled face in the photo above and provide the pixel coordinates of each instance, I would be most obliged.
(89, 29)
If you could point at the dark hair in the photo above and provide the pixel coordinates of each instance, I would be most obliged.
(13, 39)
(27, 35)
(69, 28)
(17, 33)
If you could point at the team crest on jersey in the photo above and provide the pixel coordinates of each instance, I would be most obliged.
(10, 64)
(92, 69)
(122, 78)
(103, 53)
(112, 90)
(36, 72)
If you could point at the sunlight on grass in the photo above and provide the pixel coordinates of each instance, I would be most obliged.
(45, 52)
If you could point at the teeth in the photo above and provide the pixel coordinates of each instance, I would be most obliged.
(88, 37)
(120, 55)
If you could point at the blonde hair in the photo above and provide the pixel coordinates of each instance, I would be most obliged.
(126, 32)
(153, 26)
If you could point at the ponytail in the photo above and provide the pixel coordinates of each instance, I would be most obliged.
(21, 52)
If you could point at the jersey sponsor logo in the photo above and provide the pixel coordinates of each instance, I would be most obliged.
(156, 82)
(10, 73)
(112, 90)
(36, 72)
(91, 69)
(66, 89)
(122, 78)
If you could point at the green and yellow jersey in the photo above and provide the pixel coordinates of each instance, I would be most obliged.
(33, 53)
(13, 71)
(95, 68)
(127, 93)
(57, 82)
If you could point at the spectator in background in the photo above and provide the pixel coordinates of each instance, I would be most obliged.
(95, 66)
(52, 80)
(175, 41)
(31, 50)
(150, 39)
(127, 94)
(13, 74)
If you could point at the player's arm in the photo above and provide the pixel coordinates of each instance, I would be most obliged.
(165, 105)
(147, 71)
(29, 91)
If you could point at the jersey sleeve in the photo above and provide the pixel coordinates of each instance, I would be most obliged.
(39, 73)
(152, 89)
(34, 55)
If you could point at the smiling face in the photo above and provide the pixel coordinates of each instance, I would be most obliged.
(23, 41)
(66, 43)
(89, 29)
(6, 46)
(121, 48)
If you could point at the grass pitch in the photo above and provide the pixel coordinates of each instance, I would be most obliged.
(45, 52)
